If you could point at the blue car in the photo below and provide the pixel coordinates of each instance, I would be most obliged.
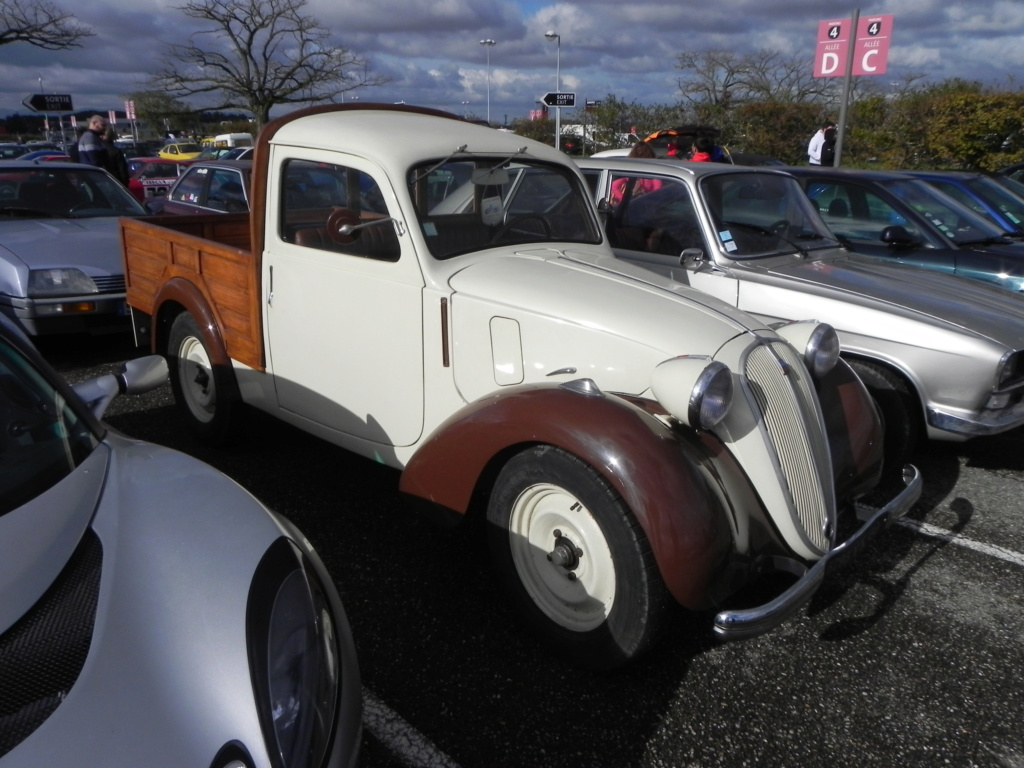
(983, 194)
(896, 216)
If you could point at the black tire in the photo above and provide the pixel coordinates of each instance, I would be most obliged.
(901, 418)
(205, 394)
(574, 560)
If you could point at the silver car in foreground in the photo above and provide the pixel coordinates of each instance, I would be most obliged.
(151, 610)
(941, 354)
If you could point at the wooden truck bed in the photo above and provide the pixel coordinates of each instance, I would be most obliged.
(210, 251)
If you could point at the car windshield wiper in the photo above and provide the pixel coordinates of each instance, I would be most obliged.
(767, 232)
(1003, 239)
(21, 211)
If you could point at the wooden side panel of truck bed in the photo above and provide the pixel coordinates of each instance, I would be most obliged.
(212, 253)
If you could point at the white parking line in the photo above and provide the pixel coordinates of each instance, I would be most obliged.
(401, 738)
(955, 538)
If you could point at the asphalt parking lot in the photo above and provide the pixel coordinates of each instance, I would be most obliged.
(913, 657)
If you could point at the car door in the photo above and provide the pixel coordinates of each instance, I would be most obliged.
(343, 314)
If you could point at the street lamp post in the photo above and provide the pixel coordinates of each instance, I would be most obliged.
(488, 44)
(550, 35)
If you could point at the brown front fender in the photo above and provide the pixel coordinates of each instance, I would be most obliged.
(854, 429)
(671, 480)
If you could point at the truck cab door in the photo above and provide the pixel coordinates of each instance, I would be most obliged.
(343, 301)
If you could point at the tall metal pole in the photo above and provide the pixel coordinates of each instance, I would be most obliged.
(558, 84)
(488, 43)
(847, 82)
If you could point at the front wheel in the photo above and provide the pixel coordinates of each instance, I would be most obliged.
(203, 392)
(574, 559)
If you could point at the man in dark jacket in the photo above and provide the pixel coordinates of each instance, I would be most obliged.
(91, 149)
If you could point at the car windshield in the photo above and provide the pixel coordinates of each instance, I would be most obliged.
(761, 214)
(42, 438)
(1010, 204)
(959, 224)
(79, 191)
(470, 204)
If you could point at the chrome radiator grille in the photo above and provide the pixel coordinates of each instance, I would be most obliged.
(782, 388)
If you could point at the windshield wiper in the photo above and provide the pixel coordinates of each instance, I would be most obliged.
(22, 211)
(767, 233)
(990, 240)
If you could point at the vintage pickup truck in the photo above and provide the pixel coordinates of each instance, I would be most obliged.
(439, 296)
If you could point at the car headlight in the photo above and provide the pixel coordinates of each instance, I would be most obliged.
(818, 342)
(1010, 369)
(294, 658)
(696, 390)
(59, 281)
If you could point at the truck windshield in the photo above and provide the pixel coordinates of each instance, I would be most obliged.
(761, 214)
(467, 205)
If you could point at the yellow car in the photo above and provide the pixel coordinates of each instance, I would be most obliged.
(179, 150)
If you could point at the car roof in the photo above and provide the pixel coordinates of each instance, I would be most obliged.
(853, 173)
(374, 128)
(661, 164)
(239, 165)
(39, 162)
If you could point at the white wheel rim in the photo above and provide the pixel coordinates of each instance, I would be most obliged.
(196, 376)
(579, 596)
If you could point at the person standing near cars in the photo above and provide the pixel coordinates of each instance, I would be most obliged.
(91, 149)
(828, 147)
(116, 162)
(816, 143)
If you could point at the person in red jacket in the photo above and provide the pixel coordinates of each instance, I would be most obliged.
(702, 149)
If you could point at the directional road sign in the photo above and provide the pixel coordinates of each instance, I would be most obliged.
(49, 102)
(560, 99)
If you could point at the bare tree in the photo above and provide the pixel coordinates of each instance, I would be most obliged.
(41, 24)
(259, 54)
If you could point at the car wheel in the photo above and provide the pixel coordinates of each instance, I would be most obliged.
(574, 559)
(202, 391)
(898, 407)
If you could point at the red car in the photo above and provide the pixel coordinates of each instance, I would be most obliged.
(153, 176)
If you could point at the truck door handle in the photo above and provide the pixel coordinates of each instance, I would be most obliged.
(270, 291)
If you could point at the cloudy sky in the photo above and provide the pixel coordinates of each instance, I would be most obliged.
(431, 51)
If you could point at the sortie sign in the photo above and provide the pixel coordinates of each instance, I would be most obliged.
(870, 46)
(49, 102)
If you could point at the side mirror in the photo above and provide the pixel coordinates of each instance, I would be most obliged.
(692, 259)
(897, 235)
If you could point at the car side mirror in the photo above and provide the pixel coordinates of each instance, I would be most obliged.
(897, 235)
(692, 259)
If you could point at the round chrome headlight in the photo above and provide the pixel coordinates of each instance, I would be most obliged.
(696, 390)
(818, 342)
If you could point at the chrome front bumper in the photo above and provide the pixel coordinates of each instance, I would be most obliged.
(750, 622)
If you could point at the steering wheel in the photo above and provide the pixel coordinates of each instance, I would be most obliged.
(512, 223)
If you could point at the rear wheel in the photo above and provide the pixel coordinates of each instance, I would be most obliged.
(900, 414)
(203, 392)
(573, 558)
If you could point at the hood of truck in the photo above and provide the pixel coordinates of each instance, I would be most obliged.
(550, 315)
